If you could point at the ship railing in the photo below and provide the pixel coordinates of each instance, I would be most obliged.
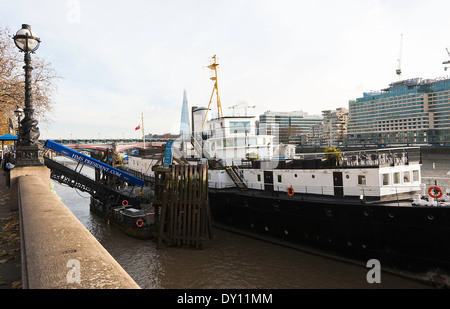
(372, 157)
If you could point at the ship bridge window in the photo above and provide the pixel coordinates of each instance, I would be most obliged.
(385, 179)
(396, 177)
(406, 176)
(251, 141)
(361, 179)
(229, 142)
(239, 126)
(240, 142)
(415, 175)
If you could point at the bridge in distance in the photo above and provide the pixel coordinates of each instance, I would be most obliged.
(104, 144)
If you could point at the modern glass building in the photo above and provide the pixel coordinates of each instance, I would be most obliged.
(409, 111)
(291, 125)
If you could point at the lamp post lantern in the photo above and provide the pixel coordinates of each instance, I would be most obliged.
(29, 150)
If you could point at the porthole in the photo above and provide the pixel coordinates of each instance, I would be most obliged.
(313, 176)
(295, 175)
(347, 176)
(430, 217)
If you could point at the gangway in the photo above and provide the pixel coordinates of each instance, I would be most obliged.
(93, 162)
(75, 179)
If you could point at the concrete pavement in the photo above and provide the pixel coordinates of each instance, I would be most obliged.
(10, 257)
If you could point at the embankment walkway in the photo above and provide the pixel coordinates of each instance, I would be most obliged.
(55, 250)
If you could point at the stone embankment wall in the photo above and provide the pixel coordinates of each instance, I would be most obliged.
(58, 252)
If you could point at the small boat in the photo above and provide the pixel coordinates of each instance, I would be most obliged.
(134, 222)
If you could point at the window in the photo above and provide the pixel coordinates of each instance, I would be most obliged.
(396, 177)
(361, 179)
(385, 179)
(240, 142)
(259, 177)
(239, 126)
(406, 176)
(415, 175)
(279, 178)
(228, 142)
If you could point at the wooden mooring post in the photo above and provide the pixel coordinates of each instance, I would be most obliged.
(181, 199)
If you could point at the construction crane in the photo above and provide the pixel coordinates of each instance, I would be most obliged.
(399, 60)
(240, 106)
(448, 61)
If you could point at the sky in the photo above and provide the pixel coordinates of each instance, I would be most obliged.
(120, 60)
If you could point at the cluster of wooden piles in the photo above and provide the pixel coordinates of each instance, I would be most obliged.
(181, 200)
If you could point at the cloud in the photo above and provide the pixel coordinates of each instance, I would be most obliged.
(120, 59)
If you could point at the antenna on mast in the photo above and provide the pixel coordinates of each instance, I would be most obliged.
(448, 61)
(213, 66)
(399, 60)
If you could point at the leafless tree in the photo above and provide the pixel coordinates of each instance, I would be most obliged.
(12, 82)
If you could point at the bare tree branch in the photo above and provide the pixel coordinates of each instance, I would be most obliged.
(12, 82)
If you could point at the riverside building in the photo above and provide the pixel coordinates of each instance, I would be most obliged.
(409, 111)
(332, 131)
(291, 127)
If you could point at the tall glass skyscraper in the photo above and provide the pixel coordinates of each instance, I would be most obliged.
(185, 131)
(409, 111)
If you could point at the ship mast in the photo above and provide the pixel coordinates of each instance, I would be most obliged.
(143, 134)
(213, 66)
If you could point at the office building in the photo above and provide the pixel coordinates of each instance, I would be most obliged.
(291, 127)
(409, 111)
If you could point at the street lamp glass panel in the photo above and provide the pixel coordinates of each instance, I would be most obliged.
(24, 35)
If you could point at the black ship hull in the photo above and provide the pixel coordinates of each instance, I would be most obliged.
(412, 239)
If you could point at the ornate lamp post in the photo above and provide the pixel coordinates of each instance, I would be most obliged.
(29, 151)
(18, 112)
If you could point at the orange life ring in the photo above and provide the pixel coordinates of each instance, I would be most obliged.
(431, 189)
(139, 223)
(124, 203)
(290, 191)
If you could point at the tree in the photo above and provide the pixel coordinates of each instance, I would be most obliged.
(332, 154)
(12, 82)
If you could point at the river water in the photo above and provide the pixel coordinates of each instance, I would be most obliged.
(233, 261)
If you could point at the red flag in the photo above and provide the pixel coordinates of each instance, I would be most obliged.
(137, 128)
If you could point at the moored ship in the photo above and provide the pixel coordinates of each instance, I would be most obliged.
(376, 208)
(358, 205)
